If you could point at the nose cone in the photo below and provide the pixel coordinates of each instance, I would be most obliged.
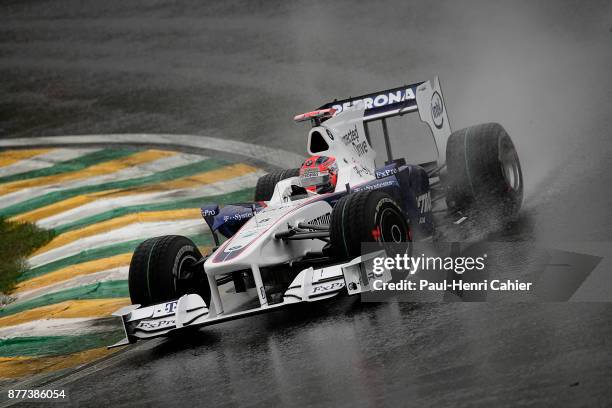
(255, 244)
(238, 251)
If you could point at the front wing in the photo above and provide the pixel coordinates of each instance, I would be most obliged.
(310, 285)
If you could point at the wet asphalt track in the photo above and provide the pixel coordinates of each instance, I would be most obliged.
(241, 71)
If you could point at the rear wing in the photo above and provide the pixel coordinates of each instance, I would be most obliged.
(422, 97)
(390, 102)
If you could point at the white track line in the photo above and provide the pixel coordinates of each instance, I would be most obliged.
(120, 273)
(141, 170)
(107, 204)
(275, 157)
(58, 327)
(44, 160)
(130, 232)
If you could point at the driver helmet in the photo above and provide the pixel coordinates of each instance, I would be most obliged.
(319, 174)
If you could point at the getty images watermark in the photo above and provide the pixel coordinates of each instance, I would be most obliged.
(477, 271)
(458, 265)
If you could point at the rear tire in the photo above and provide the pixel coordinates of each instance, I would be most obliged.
(483, 171)
(160, 271)
(266, 183)
(366, 216)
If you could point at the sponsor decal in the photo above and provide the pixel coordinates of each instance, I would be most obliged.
(310, 173)
(170, 306)
(361, 170)
(327, 288)
(234, 248)
(247, 234)
(165, 309)
(378, 100)
(208, 213)
(330, 134)
(437, 110)
(424, 202)
(151, 325)
(424, 205)
(238, 216)
(376, 186)
(361, 148)
(386, 172)
(352, 137)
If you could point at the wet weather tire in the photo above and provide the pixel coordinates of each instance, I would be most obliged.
(266, 183)
(366, 216)
(161, 270)
(483, 171)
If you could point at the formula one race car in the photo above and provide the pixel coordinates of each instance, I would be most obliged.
(300, 240)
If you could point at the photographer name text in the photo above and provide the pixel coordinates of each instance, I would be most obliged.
(454, 285)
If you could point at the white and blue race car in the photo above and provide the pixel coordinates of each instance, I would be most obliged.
(300, 240)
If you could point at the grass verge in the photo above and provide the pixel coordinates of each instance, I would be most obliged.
(18, 240)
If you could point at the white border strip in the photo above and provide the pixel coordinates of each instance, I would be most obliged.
(272, 156)
(114, 274)
(44, 160)
(58, 327)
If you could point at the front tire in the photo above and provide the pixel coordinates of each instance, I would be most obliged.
(366, 216)
(162, 269)
(266, 183)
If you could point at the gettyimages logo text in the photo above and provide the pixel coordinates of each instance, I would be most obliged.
(412, 264)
